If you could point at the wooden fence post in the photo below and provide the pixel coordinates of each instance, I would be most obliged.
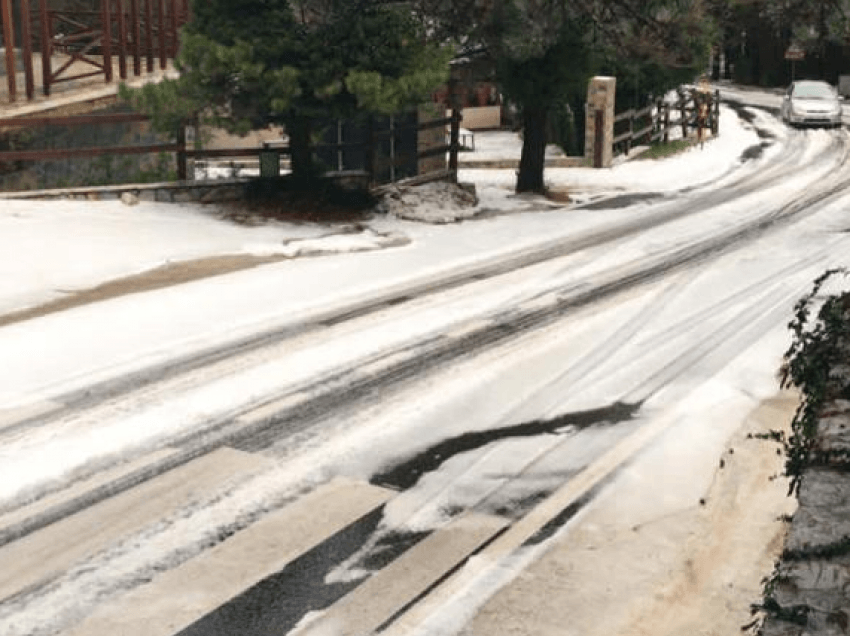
(163, 50)
(454, 142)
(136, 35)
(683, 105)
(149, 34)
(666, 123)
(26, 49)
(715, 119)
(106, 37)
(46, 46)
(173, 26)
(122, 40)
(369, 160)
(182, 172)
(9, 43)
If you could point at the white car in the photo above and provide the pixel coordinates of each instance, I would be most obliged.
(811, 103)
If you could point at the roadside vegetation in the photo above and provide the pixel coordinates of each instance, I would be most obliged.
(246, 66)
(819, 346)
(817, 364)
(659, 150)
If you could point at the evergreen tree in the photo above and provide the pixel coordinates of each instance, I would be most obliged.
(249, 64)
(546, 51)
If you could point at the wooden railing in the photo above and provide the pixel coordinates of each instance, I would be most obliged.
(654, 122)
(375, 165)
(121, 30)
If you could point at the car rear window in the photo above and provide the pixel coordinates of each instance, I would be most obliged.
(813, 91)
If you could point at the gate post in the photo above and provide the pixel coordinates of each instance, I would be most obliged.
(599, 121)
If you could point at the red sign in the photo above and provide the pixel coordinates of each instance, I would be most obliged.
(794, 53)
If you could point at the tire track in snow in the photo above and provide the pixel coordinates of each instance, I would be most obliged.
(346, 387)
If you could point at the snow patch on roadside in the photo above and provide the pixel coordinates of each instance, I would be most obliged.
(357, 239)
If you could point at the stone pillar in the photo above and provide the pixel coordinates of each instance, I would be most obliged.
(600, 97)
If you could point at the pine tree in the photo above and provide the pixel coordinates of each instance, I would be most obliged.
(545, 52)
(249, 64)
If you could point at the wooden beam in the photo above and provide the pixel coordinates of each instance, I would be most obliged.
(46, 46)
(106, 38)
(26, 49)
(173, 26)
(9, 44)
(136, 35)
(163, 51)
(149, 33)
(122, 40)
(72, 153)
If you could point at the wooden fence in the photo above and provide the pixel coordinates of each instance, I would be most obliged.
(86, 44)
(654, 122)
(374, 163)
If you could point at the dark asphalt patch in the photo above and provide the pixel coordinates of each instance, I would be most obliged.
(754, 152)
(548, 530)
(276, 604)
(622, 201)
(560, 520)
(518, 508)
(406, 474)
(746, 115)
(740, 109)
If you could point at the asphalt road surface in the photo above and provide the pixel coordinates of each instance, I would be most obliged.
(251, 517)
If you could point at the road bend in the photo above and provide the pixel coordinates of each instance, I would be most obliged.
(251, 471)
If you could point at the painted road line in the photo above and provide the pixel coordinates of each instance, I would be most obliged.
(52, 550)
(179, 597)
(380, 597)
(81, 487)
(529, 526)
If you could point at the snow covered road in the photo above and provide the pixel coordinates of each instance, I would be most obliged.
(477, 386)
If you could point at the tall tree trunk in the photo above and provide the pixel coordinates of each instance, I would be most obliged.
(301, 155)
(532, 160)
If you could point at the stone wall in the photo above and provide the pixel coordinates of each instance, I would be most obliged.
(812, 588)
(171, 192)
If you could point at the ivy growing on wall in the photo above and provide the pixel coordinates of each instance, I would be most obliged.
(814, 353)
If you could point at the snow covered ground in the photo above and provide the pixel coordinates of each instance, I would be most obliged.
(675, 343)
(52, 248)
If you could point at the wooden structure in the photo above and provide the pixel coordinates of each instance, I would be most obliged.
(378, 166)
(653, 122)
(138, 32)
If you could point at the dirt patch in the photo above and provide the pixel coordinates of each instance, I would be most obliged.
(165, 276)
(694, 571)
(294, 209)
(282, 200)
